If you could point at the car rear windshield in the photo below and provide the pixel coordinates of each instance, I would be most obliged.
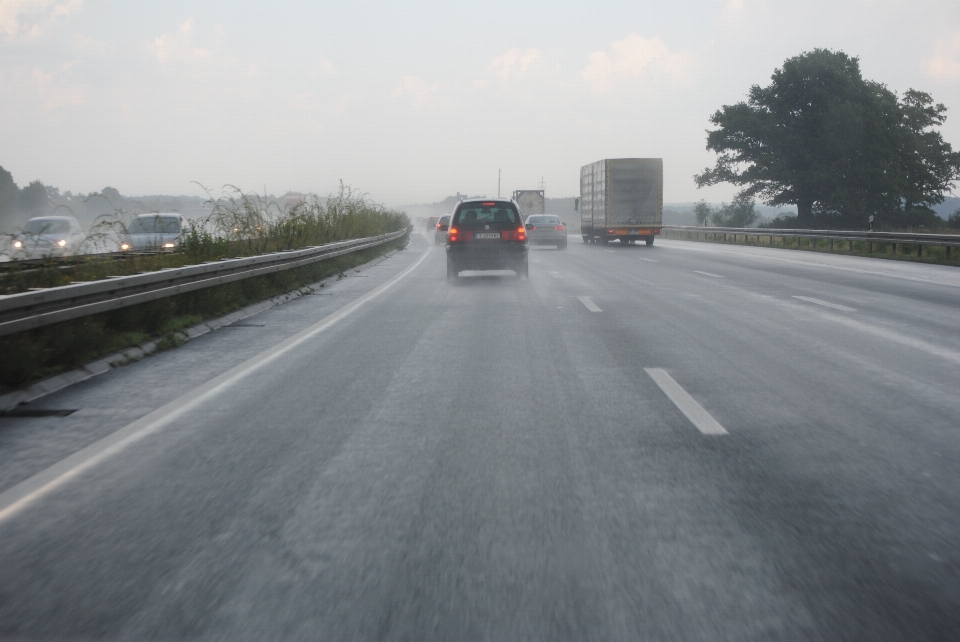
(544, 220)
(154, 225)
(47, 226)
(480, 214)
(444, 220)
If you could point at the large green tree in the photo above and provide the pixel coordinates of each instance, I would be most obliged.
(34, 199)
(824, 139)
(9, 196)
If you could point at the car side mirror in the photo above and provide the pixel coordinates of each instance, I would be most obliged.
(443, 228)
(529, 226)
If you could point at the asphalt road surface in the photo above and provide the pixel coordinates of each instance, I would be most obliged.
(687, 441)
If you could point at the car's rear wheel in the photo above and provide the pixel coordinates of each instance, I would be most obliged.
(524, 269)
(452, 273)
(562, 245)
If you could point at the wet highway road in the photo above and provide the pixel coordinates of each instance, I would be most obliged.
(688, 441)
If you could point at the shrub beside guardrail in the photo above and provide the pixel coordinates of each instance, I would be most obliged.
(30, 310)
(32, 354)
(894, 239)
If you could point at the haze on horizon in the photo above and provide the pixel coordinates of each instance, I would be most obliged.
(411, 102)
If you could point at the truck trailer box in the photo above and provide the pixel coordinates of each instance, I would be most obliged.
(621, 198)
(530, 201)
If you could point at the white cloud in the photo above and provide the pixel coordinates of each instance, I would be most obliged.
(29, 17)
(325, 68)
(418, 90)
(178, 46)
(54, 95)
(514, 63)
(86, 45)
(944, 65)
(635, 58)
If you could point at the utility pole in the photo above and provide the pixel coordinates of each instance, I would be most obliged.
(498, 183)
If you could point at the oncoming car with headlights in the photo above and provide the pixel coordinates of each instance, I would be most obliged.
(486, 234)
(47, 236)
(152, 232)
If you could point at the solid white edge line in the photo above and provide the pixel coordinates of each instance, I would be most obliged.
(28, 491)
(685, 403)
(590, 305)
(716, 276)
(648, 260)
(826, 304)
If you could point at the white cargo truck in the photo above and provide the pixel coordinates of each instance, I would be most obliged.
(621, 199)
(530, 201)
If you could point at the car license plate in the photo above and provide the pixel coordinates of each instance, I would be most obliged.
(487, 235)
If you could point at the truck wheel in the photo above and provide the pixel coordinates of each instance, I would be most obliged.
(452, 273)
(649, 240)
(603, 240)
(624, 241)
(586, 239)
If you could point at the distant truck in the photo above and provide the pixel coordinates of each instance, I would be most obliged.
(621, 198)
(530, 202)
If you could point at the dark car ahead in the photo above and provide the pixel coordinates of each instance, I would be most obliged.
(440, 230)
(486, 235)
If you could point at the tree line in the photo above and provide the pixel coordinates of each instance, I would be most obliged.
(839, 147)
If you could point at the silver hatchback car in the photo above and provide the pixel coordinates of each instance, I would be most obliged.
(152, 232)
(546, 229)
(48, 236)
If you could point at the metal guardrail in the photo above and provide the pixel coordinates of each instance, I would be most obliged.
(894, 238)
(35, 309)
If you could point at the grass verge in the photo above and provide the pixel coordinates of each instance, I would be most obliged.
(39, 353)
(880, 250)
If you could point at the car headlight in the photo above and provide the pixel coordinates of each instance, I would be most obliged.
(62, 243)
(124, 246)
(18, 244)
(168, 246)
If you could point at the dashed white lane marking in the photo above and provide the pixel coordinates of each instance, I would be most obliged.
(687, 404)
(15, 499)
(590, 305)
(716, 276)
(826, 304)
(537, 261)
(555, 275)
(611, 251)
(649, 260)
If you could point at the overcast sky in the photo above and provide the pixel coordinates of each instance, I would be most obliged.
(413, 101)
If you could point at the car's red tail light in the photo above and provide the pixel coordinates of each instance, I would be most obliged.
(558, 227)
(453, 234)
(521, 234)
(533, 227)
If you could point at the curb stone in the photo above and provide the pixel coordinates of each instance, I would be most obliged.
(63, 380)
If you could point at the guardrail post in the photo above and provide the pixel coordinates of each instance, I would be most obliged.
(919, 250)
(851, 245)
